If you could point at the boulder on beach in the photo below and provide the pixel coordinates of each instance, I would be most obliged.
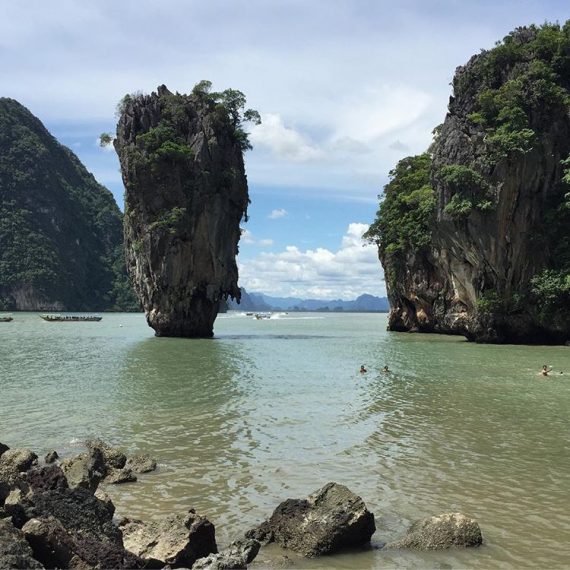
(327, 521)
(440, 532)
(51, 456)
(13, 462)
(118, 476)
(78, 510)
(235, 557)
(85, 470)
(112, 457)
(55, 547)
(46, 478)
(3, 448)
(142, 463)
(177, 540)
(15, 552)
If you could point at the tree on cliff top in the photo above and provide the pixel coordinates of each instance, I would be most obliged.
(231, 102)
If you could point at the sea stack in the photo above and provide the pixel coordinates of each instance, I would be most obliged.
(474, 235)
(185, 194)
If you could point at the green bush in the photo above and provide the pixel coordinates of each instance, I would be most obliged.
(403, 221)
(458, 207)
(524, 79)
(468, 190)
(490, 302)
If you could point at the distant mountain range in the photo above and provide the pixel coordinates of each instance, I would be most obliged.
(263, 302)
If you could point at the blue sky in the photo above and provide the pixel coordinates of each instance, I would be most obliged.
(345, 89)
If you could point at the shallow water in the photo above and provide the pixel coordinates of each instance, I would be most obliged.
(276, 408)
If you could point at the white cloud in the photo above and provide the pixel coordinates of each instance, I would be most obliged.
(284, 142)
(247, 238)
(276, 214)
(318, 273)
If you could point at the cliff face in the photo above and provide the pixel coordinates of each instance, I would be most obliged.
(60, 231)
(495, 266)
(185, 194)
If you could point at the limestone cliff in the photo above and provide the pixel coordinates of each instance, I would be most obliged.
(185, 193)
(60, 231)
(474, 236)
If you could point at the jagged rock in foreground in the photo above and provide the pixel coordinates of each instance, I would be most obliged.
(178, 540)
(185, 194)
(112, 457)
(440, 532)
(15, 552)
(474, 236)
(142, 463)
(235, 557)
(85, 470)
(329, 520)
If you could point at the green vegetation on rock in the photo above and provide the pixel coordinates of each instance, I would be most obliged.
(515, 112)
(468, 188)
(60, 231)
(404, 218)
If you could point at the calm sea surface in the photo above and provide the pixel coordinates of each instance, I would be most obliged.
(276, 408)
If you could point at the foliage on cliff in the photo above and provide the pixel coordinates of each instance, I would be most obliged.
(60, 231)
(165, 143)
(404, 217)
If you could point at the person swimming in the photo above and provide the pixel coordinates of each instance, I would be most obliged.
(545, 370)
(385, 369)
(363, 369)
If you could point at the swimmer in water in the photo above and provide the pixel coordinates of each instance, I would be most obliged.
(385, 369)
(362, 369)
(545, 370)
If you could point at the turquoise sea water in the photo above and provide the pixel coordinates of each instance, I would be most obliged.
(276, 408)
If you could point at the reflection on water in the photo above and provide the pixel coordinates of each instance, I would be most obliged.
(274, 409)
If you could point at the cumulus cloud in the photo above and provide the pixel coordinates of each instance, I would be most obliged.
(319, 273)
(276, 214)
(285, 142)
(248, 238)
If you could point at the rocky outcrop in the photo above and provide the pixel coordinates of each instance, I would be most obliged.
(494, 264)
(85, 470)
(15, 552)
(440, 532)
(112, 457)
(235, 557)
(51, 456)
(329, 520)
(185, 194)
(119, 476)
(141, 463)
(61, 243)
(12, 463)
(178, 540)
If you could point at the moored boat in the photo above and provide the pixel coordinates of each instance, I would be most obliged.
(70, 318)
(6, 319)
